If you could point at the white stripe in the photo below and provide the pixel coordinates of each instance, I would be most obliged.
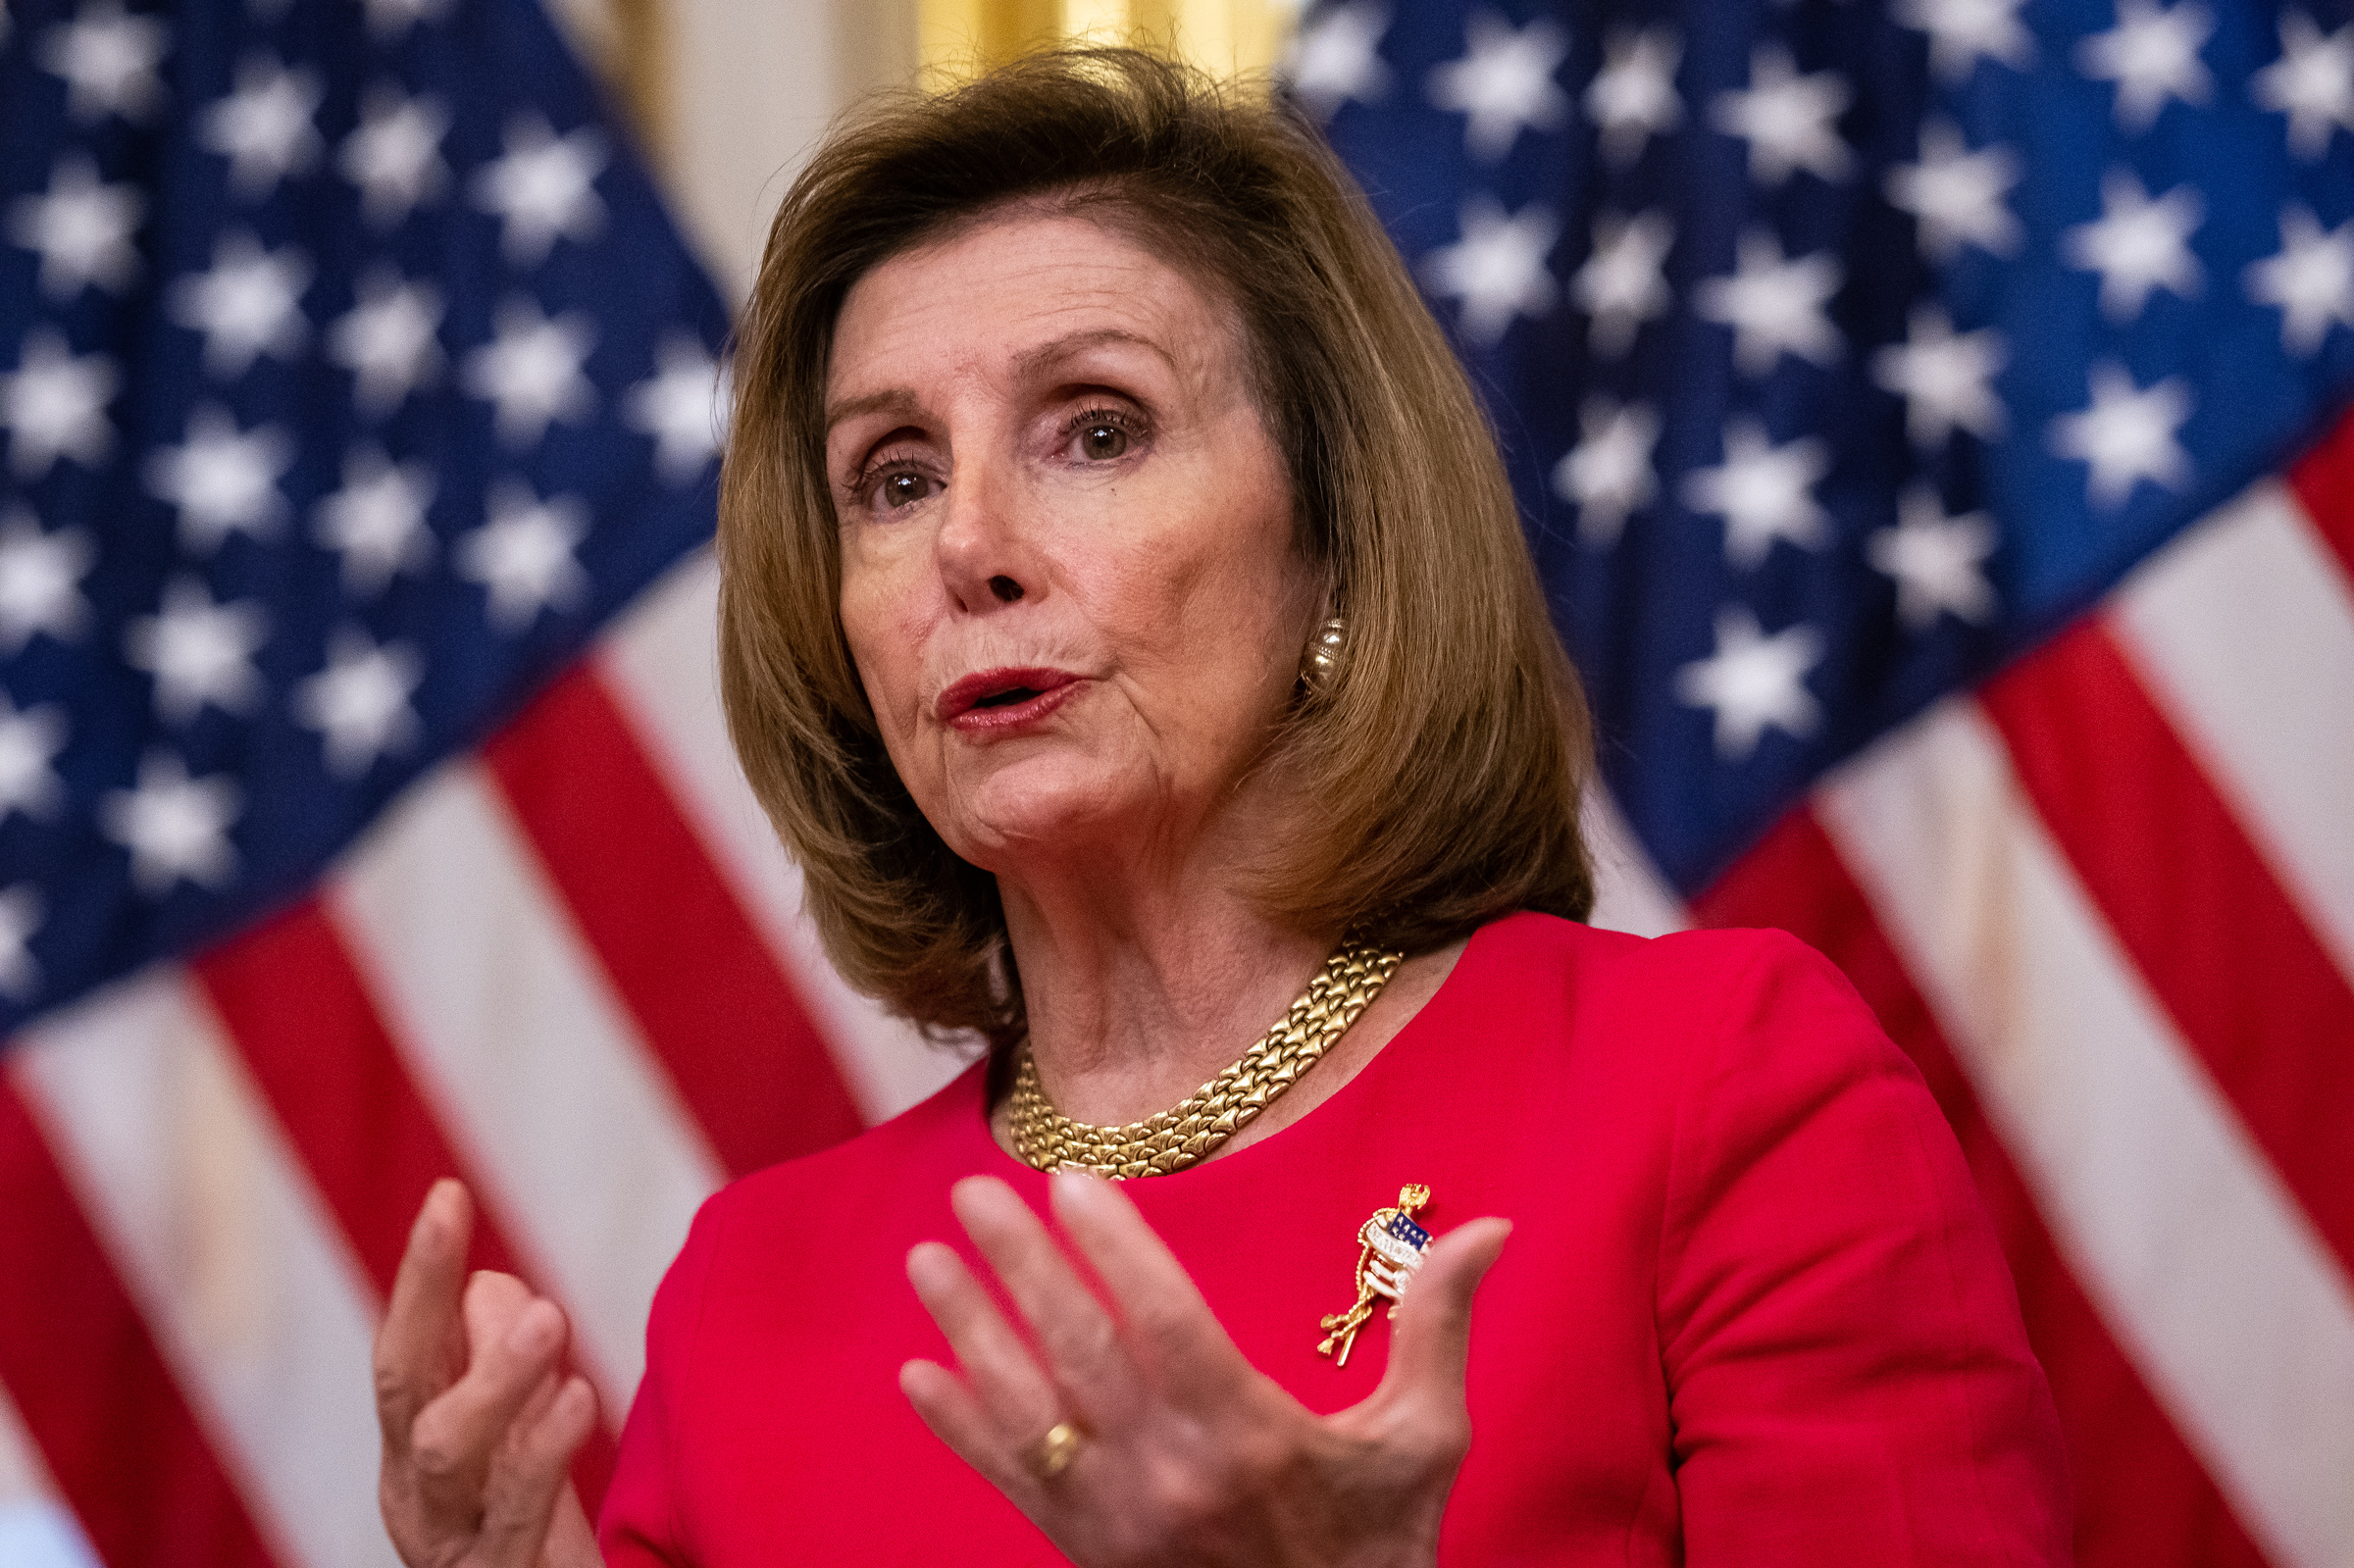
(533, 1068)
(662, 662)
(24, 1480)
(1629, 894)
(2246, 634)
(243, 1280)
(2175, 1225)
(36, 1528)
(42, 1534)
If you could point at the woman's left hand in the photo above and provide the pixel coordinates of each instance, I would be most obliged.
(1187, 1454)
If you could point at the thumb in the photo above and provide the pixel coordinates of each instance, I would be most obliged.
(1432, 1338)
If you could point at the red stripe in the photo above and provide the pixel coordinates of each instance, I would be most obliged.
(2142, 1497)
(95, 1391)
(299, 1014)
(290, 997)
(2323, 482)
(680, 948)
(2194, 906)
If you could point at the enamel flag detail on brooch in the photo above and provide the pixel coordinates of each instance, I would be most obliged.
(1389, 1249)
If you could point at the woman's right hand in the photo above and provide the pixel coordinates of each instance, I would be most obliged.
(479, 1421)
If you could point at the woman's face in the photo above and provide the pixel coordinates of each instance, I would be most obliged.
(1067, 571)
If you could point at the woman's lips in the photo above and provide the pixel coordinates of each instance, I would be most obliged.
(995, 701)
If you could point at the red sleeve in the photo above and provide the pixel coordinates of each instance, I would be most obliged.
(1848, 1375)
(639, 1526)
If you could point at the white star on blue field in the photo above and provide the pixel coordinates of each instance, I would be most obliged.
(314, 463)
(1843, 349)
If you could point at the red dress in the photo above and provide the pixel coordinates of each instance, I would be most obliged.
(1751, 1312)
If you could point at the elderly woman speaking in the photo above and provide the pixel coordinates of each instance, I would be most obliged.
(1127, 625)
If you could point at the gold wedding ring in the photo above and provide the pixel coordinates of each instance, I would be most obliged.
(1050, 1456)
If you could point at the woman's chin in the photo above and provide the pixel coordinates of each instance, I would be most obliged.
(1032, 815)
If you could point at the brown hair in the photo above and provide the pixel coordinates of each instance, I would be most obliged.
(1438, 770)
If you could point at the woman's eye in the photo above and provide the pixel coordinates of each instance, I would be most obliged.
(1098, 441)
(902, 488)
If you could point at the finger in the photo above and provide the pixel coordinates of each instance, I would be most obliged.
(1165, 1317)
(412, 1357)
(571, 1539)
(1078, 1339)
(1432, 1340)
(454, 1439)
(492, 1304)
(528, 1477)
(1003, 1377)
(958, 1419)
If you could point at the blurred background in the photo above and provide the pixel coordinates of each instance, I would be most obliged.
(1927, 417)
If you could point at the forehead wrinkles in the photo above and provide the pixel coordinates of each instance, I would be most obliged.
(1074, 302)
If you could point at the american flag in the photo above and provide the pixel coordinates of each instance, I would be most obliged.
(351, 380)
(1929, 418)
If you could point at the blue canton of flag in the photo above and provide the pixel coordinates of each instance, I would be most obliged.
(1842, 351)
(350, 374)
(1406, 1234)
(1396, 1256)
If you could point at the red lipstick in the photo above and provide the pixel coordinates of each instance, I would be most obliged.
(999, 701)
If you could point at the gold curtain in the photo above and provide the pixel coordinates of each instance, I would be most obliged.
(637, 61)
(1228, 37)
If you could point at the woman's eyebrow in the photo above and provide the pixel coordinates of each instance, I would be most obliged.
(1029, 364)
(1033, 361)
(895, 399)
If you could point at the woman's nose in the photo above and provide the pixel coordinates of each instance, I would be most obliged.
(985, 552)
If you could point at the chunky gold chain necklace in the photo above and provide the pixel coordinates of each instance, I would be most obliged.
(1187, 1132)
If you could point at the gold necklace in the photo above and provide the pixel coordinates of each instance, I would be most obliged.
(1185, 1133)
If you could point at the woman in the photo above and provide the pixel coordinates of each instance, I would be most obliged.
(1126, 622)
